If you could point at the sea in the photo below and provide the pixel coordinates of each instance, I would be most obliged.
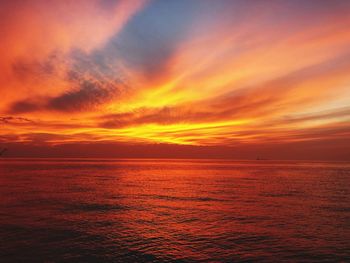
(173, 210)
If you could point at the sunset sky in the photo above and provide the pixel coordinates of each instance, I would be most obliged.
(178, 78)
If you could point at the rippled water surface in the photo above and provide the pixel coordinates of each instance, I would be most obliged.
(69, 210)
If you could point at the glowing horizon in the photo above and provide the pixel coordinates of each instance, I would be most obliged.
(199, 73)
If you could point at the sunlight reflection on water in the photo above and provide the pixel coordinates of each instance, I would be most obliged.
(173, 210)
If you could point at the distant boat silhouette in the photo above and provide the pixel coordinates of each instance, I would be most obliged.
(260, 159)
(3, 151)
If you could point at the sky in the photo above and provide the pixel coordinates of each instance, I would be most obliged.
(184, 78)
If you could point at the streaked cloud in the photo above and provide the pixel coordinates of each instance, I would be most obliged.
(203, 73)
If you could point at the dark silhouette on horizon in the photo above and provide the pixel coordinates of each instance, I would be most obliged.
(260, 159)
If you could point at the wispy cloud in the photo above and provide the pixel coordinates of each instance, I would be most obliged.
(208, 73)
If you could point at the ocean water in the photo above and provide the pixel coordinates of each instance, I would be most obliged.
(98, 210)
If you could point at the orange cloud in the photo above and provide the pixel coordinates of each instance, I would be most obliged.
(241, 74)
(38, 36)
